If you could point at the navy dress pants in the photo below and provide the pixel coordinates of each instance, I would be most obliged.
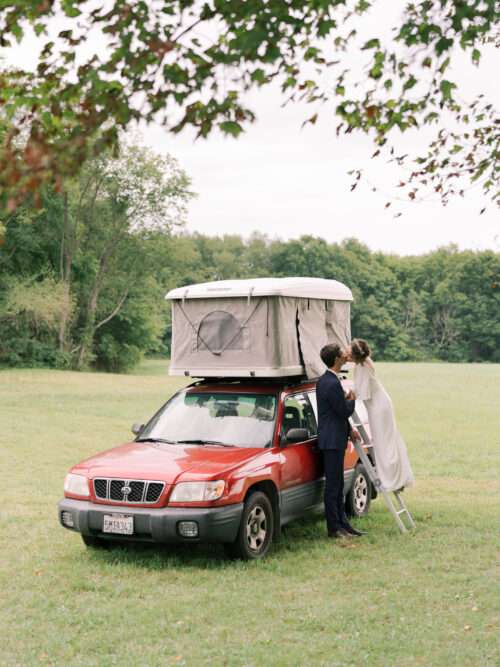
(334, 488)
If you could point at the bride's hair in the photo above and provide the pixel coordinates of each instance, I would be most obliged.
(359, 350)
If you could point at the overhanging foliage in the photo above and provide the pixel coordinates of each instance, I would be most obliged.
(185, 63)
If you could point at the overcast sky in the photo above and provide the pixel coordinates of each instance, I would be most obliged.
(285, 181)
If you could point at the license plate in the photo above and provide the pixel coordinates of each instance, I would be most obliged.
(118, 523)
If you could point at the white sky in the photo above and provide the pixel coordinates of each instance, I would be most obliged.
(285, 181)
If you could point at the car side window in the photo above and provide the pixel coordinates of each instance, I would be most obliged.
(298, 413)
(314, 403)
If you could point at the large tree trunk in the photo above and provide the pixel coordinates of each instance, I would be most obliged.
(87, 337)
(90, 325)
(66, 261)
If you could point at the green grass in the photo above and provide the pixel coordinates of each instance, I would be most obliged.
(427, 599)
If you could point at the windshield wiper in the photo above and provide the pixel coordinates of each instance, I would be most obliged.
(167, 442)
(203, 442)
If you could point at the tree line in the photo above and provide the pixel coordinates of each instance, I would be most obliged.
(444, 305)
(84, 271)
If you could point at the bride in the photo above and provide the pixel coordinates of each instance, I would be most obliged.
(391, 457)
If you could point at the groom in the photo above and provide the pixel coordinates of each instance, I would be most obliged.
(334, 410)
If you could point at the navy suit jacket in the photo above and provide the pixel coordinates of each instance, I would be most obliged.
(333, 413)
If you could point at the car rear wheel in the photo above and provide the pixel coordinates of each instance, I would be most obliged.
(360, 494)
(256, 529)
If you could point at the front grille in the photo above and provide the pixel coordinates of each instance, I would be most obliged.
(154, 492)
(128, 490)
(100, 486)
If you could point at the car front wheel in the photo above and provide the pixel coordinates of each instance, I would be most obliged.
(360, 494)
(256, 528)
(94, 542)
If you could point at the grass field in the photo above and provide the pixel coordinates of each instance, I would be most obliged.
(428, 599)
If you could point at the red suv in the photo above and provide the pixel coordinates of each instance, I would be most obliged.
(221, 461)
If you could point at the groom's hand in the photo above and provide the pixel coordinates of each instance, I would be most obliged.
(350, 396)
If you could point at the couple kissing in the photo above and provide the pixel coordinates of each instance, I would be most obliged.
(334, 429)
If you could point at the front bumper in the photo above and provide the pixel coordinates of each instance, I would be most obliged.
(215, 524)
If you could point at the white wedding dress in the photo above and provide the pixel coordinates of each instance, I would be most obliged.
(391, 457)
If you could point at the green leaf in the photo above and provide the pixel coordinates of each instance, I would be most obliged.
(231, 127)
(325, 26)
(444, 65)
(371, 44)
(259, 76)
(446, 88)
(411, 81)
(312, 52)
(72, 12)
(476, 56)
(17, 31)
(443, 44)
(70, 9)
(431, 117)
(311, 120)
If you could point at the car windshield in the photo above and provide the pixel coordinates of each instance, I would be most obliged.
(232, 419)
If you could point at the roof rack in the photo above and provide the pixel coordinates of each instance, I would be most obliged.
(282, 381)
(285, 381)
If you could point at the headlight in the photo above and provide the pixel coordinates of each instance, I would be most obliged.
(191, 492)
(76, 484)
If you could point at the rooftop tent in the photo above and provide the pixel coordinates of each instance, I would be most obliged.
(265, 327)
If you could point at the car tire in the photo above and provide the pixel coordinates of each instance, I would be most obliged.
(359, 495)
(94, 542)
(256, 529)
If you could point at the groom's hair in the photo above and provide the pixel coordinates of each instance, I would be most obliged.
(329, 354)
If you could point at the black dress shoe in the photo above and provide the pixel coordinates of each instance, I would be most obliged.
(338, 534)
(353, 531)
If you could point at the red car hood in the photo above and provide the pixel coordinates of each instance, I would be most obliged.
(164, 462)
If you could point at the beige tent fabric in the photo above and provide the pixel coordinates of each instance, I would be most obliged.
(265, 344)
(338, 322)
(312, 334)
(262, 336)
(321, 322)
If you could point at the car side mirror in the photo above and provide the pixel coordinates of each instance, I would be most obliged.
(297, 435)
(137, 428)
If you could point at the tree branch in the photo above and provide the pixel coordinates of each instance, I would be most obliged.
(114, 312)
(186, 30)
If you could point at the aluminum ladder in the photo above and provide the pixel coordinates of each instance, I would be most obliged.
(397, 506)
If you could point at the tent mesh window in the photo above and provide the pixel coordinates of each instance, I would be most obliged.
(219, 331)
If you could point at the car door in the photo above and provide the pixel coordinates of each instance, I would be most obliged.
(300, 462)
